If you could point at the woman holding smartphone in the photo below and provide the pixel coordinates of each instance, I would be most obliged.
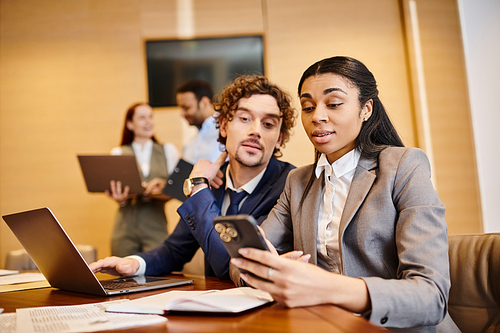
(366, 212)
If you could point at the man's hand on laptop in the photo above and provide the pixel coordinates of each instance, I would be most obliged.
(116, 266)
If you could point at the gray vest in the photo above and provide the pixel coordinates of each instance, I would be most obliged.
(158, 163)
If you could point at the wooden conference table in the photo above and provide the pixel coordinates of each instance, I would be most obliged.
(270, 318)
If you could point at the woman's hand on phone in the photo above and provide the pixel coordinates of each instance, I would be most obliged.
(271, 247)
(296, 255)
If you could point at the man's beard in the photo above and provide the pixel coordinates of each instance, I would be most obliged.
(257, 163)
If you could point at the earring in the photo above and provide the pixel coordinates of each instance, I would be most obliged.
(365, 118)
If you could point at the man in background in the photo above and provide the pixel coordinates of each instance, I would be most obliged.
(195, 100)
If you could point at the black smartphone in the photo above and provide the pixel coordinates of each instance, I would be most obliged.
(237, 231)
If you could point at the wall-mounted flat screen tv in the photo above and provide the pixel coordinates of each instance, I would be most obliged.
(219, 61)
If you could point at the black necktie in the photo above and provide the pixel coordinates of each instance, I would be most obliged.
(234, 201)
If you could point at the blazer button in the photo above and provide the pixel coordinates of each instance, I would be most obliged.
(189, 220)
(384, 320)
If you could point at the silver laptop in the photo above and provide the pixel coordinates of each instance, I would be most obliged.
(63, 266)
(99, 170)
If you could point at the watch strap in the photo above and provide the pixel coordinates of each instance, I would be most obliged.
(199, 180)
(189, 183)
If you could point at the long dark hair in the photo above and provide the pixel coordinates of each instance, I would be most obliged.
(377, 132)
(128, 135)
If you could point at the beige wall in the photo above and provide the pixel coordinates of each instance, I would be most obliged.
(69, 69)
(450, 117)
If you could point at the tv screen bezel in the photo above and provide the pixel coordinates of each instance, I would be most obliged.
(169, 99)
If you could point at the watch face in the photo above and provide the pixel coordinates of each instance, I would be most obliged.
(186, 188)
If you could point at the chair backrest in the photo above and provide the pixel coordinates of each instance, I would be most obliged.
(21, 261)
(474, 301)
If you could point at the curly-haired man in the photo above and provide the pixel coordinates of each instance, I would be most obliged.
(255, 118)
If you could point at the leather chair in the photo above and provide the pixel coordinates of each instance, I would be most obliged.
(21, 261)
(474, 301)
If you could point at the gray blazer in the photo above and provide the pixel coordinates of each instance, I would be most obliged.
(393, 235)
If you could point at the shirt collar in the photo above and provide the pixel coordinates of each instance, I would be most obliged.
(249, 187)
(138, 147)
(340, 167)
(208, 124)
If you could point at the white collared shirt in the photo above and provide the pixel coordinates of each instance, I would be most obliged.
(338, 178)
(204, 144)
(143, 155)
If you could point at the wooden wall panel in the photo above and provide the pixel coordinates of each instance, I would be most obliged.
(223, 17)
(69, 69)
(300, 34)
(449, 114)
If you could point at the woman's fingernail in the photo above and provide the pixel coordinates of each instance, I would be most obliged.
(243, 251)
(236, 261)
(244, 277)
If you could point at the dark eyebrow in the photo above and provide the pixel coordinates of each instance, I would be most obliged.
(325, 92)
(329, 90)
(273, 115)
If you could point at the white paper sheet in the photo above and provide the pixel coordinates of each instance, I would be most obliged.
(21, 278)
(8, 272)
(229, 300)
(155, 304)
(8, 322)
(232, 300)
(79, 318)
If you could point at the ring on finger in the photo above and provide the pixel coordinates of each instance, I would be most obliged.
(270, 273)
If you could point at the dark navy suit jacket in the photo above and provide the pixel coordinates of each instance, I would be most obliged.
(195, 229)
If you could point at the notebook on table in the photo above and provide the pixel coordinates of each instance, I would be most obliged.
(50, 247)
(99, 170)
(234, 300)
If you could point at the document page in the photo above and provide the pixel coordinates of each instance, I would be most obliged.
(21, 278)
(8, 272)
(230, 300)
(8, 323)
(226, 301)
(79, 318)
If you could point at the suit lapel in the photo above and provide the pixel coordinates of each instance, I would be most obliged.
(363, 179)
(219, 192)
(309, 217)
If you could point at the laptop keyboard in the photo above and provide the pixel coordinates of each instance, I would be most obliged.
(114, 285)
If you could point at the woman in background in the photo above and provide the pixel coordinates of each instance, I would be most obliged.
(365, 213)
(141, 223)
